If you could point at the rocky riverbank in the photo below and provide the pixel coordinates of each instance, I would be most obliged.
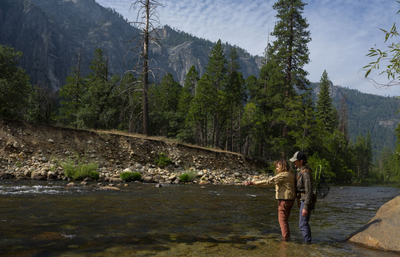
(31, 151)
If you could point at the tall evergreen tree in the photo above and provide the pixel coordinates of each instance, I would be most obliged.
(368, 156)
(164, 100)
(189, 89)
(14, 84)
(290, 53)
(270, 99)
(325, 109)
(99, 108)
(71, 95)
(202, 107)
(186, 132)
(233, 96)
(216, 74)
(290, 47)
(344, 118)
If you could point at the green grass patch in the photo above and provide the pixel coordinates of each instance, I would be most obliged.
(130, 176)
(77, 170)
(187, 177)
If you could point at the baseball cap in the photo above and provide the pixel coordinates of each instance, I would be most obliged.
(299, 155)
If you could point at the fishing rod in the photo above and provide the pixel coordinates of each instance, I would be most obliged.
(321, 186)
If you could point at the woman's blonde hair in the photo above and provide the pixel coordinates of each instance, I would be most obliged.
(285, 167)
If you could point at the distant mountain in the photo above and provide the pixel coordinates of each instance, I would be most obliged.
(52, 33)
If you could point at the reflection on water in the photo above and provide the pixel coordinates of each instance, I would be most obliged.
(49, 219)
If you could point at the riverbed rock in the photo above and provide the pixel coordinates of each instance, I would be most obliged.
(110, 188)
(382, 231)
(72, 184)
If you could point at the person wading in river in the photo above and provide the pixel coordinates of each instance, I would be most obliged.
(304, 189)
(285, 186)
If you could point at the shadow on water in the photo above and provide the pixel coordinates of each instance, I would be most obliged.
(49, 219)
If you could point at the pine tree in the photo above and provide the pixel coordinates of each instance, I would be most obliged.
(270, 99)
(216, 73)
(325, 109)
(233, 96)
(14, 84)
(71, 95)
(189, 89)
(100, 106)
(290, 53)
(368, 156)
(343, 118)
(201, 109)
(164, 100)
(290, 48)
(186, 133)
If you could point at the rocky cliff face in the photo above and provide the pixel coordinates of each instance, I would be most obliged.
(52, 33)
(25, 27)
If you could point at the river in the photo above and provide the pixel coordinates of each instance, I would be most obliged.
(49, 219)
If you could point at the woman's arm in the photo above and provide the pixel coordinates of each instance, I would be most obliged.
(262, 183)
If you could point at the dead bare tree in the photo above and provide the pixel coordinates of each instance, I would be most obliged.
(147, 20)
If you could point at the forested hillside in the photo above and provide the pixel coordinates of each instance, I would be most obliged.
(375, 114)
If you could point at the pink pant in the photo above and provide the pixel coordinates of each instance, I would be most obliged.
(284, 208)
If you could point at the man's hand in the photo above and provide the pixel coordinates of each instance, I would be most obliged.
(304, 213)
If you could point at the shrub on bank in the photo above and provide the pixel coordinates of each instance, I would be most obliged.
(130, 176)
(187, 177)
(81, 170)
(162, 160)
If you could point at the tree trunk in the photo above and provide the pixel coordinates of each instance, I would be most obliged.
(146, 71)
(240, 130)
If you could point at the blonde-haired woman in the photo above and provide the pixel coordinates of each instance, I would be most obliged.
(285, 185)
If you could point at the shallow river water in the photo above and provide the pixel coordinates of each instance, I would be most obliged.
(49, 219)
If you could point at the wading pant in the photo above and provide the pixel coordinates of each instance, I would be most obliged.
(304, 224)
(284, 208)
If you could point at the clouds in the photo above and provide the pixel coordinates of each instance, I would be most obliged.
(342, 31)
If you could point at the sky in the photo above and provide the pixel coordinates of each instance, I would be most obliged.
(342, 32)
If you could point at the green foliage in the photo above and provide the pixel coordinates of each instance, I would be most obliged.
(290, 49)
(95, 175)
(42, 104)
(392, 53)
(162, 160)
(164, 101)
(130, 176)
(187, 177)
(78, 170)
(315, 161)
(14, 85)
(71, 95)
(91, 102)
(325, 110)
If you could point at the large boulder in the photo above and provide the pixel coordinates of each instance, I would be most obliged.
(382, 231)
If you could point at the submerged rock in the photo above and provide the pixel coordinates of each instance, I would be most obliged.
(110, 188)
(382, 231)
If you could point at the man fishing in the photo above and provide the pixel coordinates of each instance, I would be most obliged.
(304, 187)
